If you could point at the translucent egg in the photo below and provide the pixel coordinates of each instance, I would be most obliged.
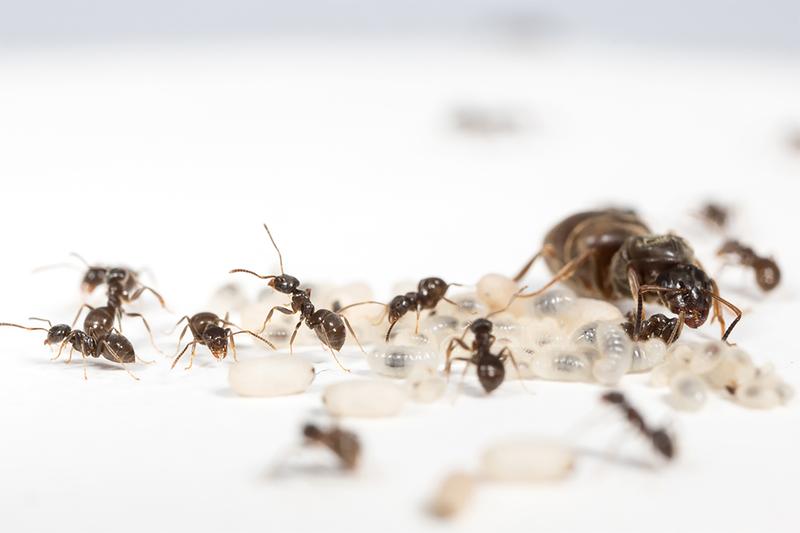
(507, 329)
(688, 392)
(616, 353)
(398, 361)
(468, 307)
(757, 395)
(553, 303)
(735, 368)
(563, 363)
(707, 356)
(648, 354)
(440, 327)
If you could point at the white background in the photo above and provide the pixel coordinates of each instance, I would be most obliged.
(171, 156)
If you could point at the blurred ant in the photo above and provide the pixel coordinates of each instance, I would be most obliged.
(658, 437)
(344, 444)
(329, 326)
(489, 366)
(112, 346)
(768, 274)
(611, 254)
(714, 214)
(207, 330)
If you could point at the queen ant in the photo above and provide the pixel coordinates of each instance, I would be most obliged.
(768, 274)
(658, 437)
(612, 254)
(329, 326)
(111, 345)
(207, 330)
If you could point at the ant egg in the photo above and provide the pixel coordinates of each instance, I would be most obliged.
(554, 302)
(616, 353)
(585, 310)
(275, 375)
(735, 367)
(757, 395)
(495, 291)
(439, 328)
(542, 332)
(425, 385)
(688, 392)
(527, 460)
(508, 330)
(563, 363)
(648, 354)
(468, 307)
(364, 398)
(707, 356)
(453, 495)
(397, 361)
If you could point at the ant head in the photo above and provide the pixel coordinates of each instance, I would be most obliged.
(692, 292)
(94, 277)
(116, 274)
(216, 339)
(663, 443)
(400, 305)
(310, 431)
(481, 326)
(613, 397)
(768, 275)
(57, 334)
(284, 283)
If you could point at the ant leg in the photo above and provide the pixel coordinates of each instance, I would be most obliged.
(633, 282)
(294, 335)
(353, 333)
(78, 315)
(259, 337)
(178, 347)
(149, 331)
(547, 249)
(730, 306)
(566, 272)
(506, 353)
(178, 323)
(118, 358)
(416, 326)
(678, 328)
(346, 307)
(327, 343)
(717, 309)
(280, 308)
(61, 346)
(140, 290)
(233, 345)
(192, 344)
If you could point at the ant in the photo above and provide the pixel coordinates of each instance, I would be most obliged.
(344, 444)
(207, 330)
(611, 253)
(659, 438)
(430, 291)
(111, 345)
(657, 326)
(490, 367)
(328, 325)
(768, 274)
(716, 215)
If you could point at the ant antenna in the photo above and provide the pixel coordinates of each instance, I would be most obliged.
(80, 258)
(41, 320)
(280, 257)
(23, 327)
(249, 272)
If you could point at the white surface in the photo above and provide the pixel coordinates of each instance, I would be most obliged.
(172, 158)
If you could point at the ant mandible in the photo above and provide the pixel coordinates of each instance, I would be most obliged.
(329, 326)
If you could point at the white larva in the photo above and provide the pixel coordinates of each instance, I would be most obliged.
(553, 303)
(688, 392)
(648, 354)
(397, 361)
(563, 362)
(527, 460)
(274, 375)
(616, 353)
(585, 310)
(364, 398)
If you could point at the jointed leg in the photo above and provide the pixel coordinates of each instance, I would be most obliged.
(147, 327)
(566, 272)
(193, 344)
(140, 290)
(547, 249)
(506, 353)
(178, 347)
(353, 333)
(280, 308)
(78, 314)
(333, 353)
(104, 344)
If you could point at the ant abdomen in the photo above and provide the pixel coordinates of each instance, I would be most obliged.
(99, 321)
(768, 275)
(491, 372)
(329, 327)
(118, 349)
(430, 291)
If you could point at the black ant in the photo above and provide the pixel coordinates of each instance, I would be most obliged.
(657, 326)
(328, 325)
(610, 254)
(489, 366)
(111, 345)
(207, 330)
(768, 274)
(344, 444)
(659, 437)
(715, 214)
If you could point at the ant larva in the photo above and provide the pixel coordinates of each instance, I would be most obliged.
(208, 330)
(329, 326)
(768, 274)
(658, 437)
(344, 444)
(111, 345)
(611, 254)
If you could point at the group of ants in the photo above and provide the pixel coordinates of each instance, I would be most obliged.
(602, 254)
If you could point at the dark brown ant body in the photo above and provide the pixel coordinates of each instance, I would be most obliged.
(715, 214)
(344, 444)
(430, 291)
(659, 438)
(489, 366)
(110, 345)
(657, 326)
(612, 254)
(768, 274)
(209, 330)
(329, 326)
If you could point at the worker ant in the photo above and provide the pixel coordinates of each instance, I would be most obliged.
(768, 274)
(207, 330)
(714, 214)
(344, 444)
(610, 254)
(110, 345)
(329, 326)
(659, 437)
(489, 366)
